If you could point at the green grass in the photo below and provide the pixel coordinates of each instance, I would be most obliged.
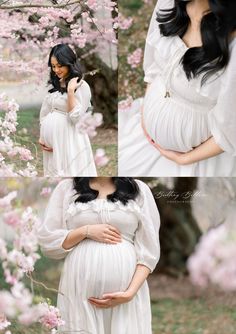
(192, 317)
(111, 168)
(15, 328)
(131, 5)
(29, 119)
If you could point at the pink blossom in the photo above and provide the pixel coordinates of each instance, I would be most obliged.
(6, 201)
(124, 23)
(3, 249)
(51, 317)
(134, 59)
(11, 278)
(4, 324)
(8, 126)
(125, 104)
(5, 146)
(24, 153)
(214, 259)
(11, 218)
(93, 4)
(46, 191)
(100, 157)
(88, 122)
(7, 304)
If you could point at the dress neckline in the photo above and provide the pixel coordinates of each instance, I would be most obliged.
(100, 199)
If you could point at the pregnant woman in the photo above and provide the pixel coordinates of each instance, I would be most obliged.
(66, 152)
(107, 229)
(186, 123)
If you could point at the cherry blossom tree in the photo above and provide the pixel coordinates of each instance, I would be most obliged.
(17, 260)
(89, 28)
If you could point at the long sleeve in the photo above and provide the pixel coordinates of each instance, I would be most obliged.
(52, 232)
(83, 97)
(222, 117)
(149, 65)
(44, 109)
(146, 239)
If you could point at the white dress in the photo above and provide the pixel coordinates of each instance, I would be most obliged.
(188, 117)
(93, 268)
(72, 154)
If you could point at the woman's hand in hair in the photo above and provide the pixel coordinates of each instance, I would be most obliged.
(104, 233)
(73, 84)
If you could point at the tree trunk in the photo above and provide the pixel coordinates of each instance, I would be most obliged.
(179, 232)
(104, 88)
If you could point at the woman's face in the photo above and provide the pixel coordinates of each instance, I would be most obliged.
(60, 70)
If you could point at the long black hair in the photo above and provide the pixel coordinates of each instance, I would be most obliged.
(65, 57)
(126, 189)
(216, 28)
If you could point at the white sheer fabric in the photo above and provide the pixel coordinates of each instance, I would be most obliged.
(192, 114)
(92, 268)
(72, 154)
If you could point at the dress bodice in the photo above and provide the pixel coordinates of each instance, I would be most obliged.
(57, 102)
(101, 211)
(180, 114)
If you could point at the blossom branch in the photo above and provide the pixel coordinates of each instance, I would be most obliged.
(29, 275)
(39, 6)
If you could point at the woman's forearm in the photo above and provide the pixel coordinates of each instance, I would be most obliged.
(140, 275)
(206, 150)
(74, 237)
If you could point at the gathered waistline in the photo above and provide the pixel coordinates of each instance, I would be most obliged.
(59, 111)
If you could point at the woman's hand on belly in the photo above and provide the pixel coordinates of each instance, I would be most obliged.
(178, 157)
(117, 298)
(104, 233)
(206, 150)
(44, 147)
(111, 299)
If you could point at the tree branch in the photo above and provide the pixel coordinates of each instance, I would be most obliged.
(40, 6)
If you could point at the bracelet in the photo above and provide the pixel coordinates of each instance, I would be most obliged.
(87, 231)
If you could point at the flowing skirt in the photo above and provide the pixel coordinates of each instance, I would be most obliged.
(72, 154)
(92, 269)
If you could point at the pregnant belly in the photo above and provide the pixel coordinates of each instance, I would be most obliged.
(173, 125)
(52, 127)
(94, 268)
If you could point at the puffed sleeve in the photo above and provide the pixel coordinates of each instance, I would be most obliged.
(52, 232)
(146, 241)
(45, 109)
(222, 117)
(149, 65)
(83, 97)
